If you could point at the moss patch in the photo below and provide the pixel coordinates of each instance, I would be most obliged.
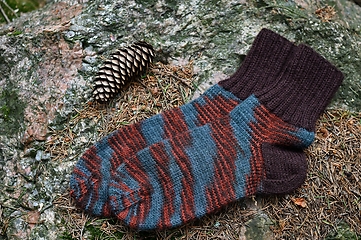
(11, 111)
(11, 8)
(343, 232)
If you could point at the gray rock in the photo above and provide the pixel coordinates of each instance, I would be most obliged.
(48, 58)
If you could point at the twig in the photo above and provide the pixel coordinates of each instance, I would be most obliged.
(181, 80)
(4, 14)
(7, 5)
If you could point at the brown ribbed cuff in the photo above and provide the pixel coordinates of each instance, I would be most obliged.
(303, 90)
(264, 62)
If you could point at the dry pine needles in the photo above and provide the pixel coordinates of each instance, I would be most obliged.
(329, 197)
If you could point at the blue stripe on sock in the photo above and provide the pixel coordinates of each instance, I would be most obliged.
(88, 203)
(157, 196)
(190, 115)
(241, 117)
(104, 152)
(217, 90)
(176, 176)
(202, 163)
(153, 129)
(74, 185)
(81, 166)
(304, 136)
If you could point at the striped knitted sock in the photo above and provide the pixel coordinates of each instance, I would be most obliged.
(89, 181)
(92, 173)
(198, 171)
(201, 170)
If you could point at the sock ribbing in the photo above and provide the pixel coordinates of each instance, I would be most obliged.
(267, 58)
(301, 93)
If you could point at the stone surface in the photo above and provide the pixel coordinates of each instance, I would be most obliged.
(48, 58)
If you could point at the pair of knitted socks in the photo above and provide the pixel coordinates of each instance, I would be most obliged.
(243, 136)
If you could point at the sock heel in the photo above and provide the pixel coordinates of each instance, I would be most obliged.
(285, 169)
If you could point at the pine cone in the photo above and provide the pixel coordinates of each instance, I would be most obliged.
(126, 65)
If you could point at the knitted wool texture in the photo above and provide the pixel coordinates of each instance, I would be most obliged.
(201, 170)
(89, 181)
(117, 169)
(92, 173)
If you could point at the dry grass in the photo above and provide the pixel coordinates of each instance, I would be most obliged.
(226, 224)
(163, 88)
(332, 190)
(331, 193)
(326, 14)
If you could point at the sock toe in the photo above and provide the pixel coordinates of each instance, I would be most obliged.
(127, 187)
(88, 192)
(90, 179)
